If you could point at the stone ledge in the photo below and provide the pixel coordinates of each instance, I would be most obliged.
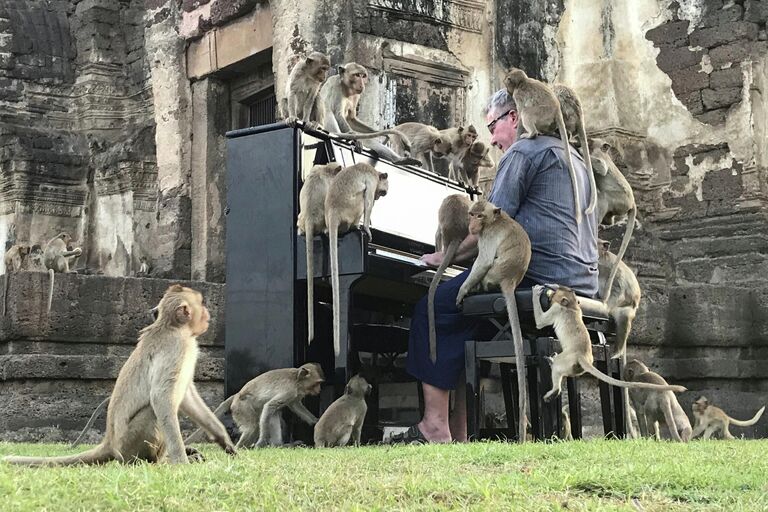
(94, 309)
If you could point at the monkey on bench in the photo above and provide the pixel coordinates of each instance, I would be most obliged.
(154, 384)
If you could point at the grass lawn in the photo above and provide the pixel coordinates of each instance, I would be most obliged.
(592, 475)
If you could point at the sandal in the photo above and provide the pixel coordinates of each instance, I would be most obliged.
(411, 436)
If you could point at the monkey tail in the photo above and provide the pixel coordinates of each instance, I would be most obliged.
(508, 290)
(588, 161)
(220, 411)
(623, 319)
(333, 234)
(88, 425)
(450, 252)
(97, 455)
(373, 135)
(748, 423)
(50, 291)
(6, 283)
(589, 368)
(620, 255)
(309, 236)
(569, 161)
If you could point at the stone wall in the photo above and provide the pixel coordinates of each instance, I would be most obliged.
(55, 369)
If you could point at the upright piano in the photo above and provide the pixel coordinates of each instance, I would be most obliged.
(266, 268)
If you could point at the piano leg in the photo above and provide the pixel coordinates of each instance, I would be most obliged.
(341, 367)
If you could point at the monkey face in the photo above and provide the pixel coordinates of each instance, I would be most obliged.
(441, 147)
(515, 77)
(700, 405)
(382, 186)
(481, 213)
(183, 307)
(633, 369)
(311, 378)
(358, 386)
(355, 77)
(566, 298)
(470, 135)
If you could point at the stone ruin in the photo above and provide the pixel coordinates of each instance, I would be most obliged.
(112, 116)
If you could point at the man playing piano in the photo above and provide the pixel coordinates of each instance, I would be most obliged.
(533, 186)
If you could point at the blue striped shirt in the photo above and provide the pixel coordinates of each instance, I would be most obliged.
(533, 186)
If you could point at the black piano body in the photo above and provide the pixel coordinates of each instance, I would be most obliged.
(266, 268)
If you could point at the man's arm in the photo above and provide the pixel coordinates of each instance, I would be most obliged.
(467, 250)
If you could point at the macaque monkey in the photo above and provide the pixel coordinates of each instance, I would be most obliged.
(573, 117)
(349, 200)
(564, 314)
(154, 384)
(615, 199)
(303, 101)
(709, 419)
(311, 220)
(622, 304)
(343, 420)
(474, 157)
(539, 112)
(143, 267)
(461, 140)
(56, 258)
(13, 259)
(256, 407)
(426, 142)
(452, 229)
(341, 94)
(565, 424)
(504, 251)
(653, 408)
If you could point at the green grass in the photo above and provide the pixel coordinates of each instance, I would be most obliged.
(594, 475)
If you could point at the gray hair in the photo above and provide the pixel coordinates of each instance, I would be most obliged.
(501, 101)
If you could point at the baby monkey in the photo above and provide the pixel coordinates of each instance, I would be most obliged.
(653, 408)
(343, 420)
(711, 419)
(564, 314)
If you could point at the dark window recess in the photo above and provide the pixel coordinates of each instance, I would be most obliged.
(262, 107)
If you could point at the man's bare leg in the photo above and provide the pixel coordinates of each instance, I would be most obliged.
(458, 417)
(434, 424)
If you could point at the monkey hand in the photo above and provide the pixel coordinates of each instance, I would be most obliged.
(230, 449)
(460, 296)
(77, 252)
(291, 121)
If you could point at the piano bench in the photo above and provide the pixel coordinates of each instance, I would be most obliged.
(545, 417)
(387, 343)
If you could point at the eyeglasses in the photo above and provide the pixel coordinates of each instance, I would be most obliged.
(492, 124)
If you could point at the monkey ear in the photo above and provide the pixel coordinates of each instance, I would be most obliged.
(438, 140)
(175, 288)
(341, 69)
(183, 313)
(309, 60)
(303, 372)
(564, 302)
(383, 176)
(606, 244)
(606, 147)
(496, 212)
(347, 389)
(460, 129)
